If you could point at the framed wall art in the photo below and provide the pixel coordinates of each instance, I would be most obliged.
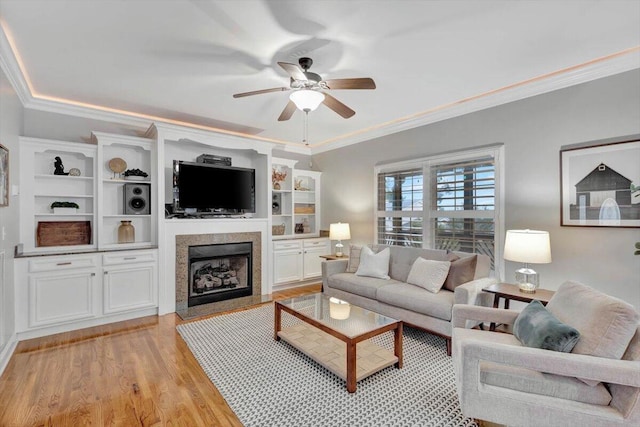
(4, 176)
(600, 185)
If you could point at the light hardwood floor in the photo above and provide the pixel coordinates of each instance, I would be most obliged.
(134, 373)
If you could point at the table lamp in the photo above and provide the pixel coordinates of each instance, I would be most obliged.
(339, 232)
(528, 247)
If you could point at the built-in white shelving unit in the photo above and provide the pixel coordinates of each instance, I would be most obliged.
(295, 200)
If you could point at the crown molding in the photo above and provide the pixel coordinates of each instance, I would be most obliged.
(593, 70)
(598, 68)
(11, 69)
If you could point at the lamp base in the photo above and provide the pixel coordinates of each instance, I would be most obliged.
(339, 247)
(527, 280)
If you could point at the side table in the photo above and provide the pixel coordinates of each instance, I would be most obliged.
(334, 257)
(509, 292)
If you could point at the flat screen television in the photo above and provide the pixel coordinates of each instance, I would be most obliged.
(202, 187)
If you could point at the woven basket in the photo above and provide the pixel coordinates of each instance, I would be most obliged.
(277, 230)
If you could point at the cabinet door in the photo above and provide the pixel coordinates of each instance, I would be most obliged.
(287, 265)
(129, 287)
(313, 262)
(58, 298)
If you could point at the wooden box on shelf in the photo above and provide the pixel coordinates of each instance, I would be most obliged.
(63, 233)
(304, 209)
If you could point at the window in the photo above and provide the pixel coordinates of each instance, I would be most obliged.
(463, 208)
(400, 198)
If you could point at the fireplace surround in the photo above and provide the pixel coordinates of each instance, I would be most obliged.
(183, 273)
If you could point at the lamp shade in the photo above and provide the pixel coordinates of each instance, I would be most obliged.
(528, 246)
(307, 99)
(339, 231)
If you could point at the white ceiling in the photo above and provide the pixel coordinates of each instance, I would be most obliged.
(182, 60)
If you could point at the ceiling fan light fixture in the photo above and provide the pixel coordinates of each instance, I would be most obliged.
(307, 99)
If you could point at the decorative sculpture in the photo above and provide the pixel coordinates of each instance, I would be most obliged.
(59, 167)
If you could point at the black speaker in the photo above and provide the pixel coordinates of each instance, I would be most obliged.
(276, 204)
(137, 199)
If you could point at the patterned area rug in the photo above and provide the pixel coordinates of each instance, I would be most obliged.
(269, 383)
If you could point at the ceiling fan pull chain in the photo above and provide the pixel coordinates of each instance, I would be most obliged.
(305, 130)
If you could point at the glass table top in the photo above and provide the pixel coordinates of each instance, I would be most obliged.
(347, 319)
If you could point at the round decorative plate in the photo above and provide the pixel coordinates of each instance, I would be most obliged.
(117, 165)
(74, 172)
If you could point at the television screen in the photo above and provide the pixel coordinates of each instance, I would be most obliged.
(214, 188)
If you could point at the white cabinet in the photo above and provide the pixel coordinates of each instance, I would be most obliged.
(57, 293)
(287, 261)
(298, 260)
(129, 281)
(312, 249)
(61, 290)
(295, 199)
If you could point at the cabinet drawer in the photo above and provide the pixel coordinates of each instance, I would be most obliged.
(287, 244)
(117, 258)
(315, 243)
(60, 263)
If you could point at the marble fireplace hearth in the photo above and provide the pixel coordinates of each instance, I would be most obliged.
(184, 241)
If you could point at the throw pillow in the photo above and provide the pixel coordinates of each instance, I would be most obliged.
(536, 327)
(606, 324)
(354, 258)
(374, 265)
(462, 270)
(428, 274)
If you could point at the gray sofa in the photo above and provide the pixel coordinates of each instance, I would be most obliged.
(395, 298)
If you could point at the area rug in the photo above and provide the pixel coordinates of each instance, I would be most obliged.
(270, 383)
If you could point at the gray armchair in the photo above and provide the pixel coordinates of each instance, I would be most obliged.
(501, 381)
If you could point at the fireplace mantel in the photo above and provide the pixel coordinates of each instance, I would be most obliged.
(209, 231)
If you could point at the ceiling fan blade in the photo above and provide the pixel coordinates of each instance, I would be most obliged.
(287, 112)
(293, 70)
(258, 92)
(358, 83)
(337, 106)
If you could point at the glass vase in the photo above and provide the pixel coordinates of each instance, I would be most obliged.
(126, 232)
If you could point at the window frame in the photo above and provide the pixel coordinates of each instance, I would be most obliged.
(427, 164)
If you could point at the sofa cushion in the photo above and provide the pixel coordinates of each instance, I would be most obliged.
(374, 265)
(428, 274)
(606, 324)
(462, 270)
(364, 286)
(536, 327)
(354, 256)
(403, 257)
(417, 299)
(530, 381)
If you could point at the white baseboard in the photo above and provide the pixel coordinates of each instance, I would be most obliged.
(7, 352)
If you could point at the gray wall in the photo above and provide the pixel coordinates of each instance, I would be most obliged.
(533, 131)
(11, 114)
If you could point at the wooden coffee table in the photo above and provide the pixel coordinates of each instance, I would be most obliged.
(339, 343)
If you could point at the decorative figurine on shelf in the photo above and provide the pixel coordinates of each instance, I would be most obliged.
(277, 176)
(59, 167)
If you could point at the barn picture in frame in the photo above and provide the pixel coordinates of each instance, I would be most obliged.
(4, 176)
(600, 185)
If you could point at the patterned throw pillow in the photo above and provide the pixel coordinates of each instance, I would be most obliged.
(428, 274)
(354, 258)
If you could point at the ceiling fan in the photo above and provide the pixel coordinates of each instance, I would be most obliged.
(308, 90)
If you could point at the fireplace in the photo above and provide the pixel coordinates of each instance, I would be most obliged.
(219, 272)
(193, 246)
